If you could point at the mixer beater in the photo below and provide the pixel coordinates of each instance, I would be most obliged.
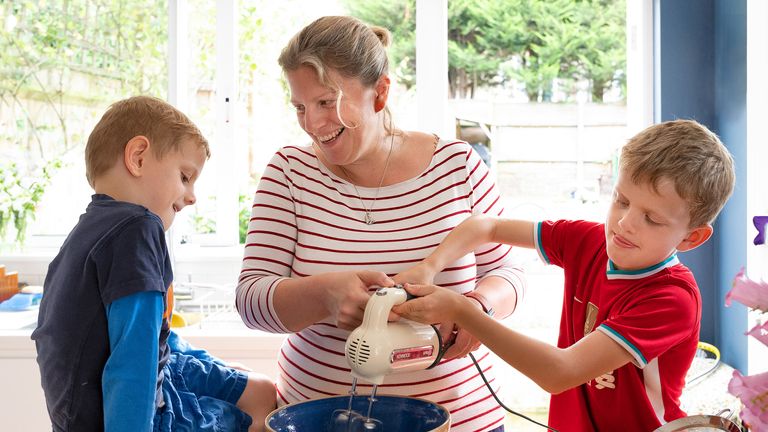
(378, 348)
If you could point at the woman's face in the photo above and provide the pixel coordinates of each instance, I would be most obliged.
(345, 140)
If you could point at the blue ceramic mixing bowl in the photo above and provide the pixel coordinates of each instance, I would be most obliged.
(396, 413)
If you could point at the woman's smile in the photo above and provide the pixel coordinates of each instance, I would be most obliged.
(331, 137)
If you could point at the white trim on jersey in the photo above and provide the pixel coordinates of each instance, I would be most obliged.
(652, 381)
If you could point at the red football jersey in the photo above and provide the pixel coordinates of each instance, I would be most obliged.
(653, 313)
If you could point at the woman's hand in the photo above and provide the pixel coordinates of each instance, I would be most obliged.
(347, 294)
(463, 344)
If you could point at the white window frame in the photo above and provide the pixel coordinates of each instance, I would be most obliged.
(432, 67)
(640, 66)
(224, 160)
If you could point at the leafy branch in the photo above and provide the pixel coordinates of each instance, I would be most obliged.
(20, 193)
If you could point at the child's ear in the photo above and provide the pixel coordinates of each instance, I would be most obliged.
(135, 154)
(695, 238)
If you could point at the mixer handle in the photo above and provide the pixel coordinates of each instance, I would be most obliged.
(380, 303)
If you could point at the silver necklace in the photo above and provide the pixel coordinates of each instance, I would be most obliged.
(368, 218)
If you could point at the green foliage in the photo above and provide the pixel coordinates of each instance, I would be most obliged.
(202, 224)
(206, 225)
(473, 56)
(61, 63)
(113, 40)
(244, 216)
(602, 53)
(399, 17)
(20, 193)
(531, 42)
(54, 53)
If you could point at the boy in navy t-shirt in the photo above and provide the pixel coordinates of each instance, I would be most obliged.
(108, 359)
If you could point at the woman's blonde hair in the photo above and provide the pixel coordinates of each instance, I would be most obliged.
(342, 44)
(692, 157)
(157, 120)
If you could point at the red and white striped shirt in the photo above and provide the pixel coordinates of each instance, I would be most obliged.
(308, 221)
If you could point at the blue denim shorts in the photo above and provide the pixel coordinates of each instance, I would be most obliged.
(201, 396)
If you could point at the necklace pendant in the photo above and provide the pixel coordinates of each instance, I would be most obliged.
(369, 219)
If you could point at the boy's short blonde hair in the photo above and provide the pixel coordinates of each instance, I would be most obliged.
(690, 155)
(157, 120)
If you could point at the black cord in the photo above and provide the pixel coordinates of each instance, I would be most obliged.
(703, 374)
(487, 384)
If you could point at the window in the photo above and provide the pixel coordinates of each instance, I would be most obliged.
(212, 51)
(234, 91)
(63, 64)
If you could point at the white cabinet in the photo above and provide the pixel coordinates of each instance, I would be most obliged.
(22, 405)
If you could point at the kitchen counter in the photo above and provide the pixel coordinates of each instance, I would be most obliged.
(709, 395)
(22, 404)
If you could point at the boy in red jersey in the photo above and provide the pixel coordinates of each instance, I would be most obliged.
(630, 322)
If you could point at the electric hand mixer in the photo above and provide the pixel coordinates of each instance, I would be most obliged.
(378, 348)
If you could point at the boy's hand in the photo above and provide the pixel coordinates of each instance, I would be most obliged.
(418, 274)
(434, 304)
(440, 305)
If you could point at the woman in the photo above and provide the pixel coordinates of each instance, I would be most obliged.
(364, 202)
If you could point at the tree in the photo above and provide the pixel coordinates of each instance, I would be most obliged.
(544, 38)
(533, 42)
(602, 51)
(475, 48)
(54, 52)
(399, 17)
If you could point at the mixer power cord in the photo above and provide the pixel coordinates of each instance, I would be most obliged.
(487, 384)
(706, 351)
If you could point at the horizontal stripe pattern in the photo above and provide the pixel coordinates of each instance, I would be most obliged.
(307, 221)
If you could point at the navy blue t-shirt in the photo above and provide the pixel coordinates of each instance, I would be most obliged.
(115, 250)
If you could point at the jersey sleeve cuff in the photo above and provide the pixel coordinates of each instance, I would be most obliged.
(637, 357)
(537, 243)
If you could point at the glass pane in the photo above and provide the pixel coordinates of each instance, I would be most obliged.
(63, 63)
(264, 122)
(198, 221)
(543, 90)
(263, 119)
(265, 27)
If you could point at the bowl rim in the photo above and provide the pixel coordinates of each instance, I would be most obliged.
(439, 406)
(700, 420)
